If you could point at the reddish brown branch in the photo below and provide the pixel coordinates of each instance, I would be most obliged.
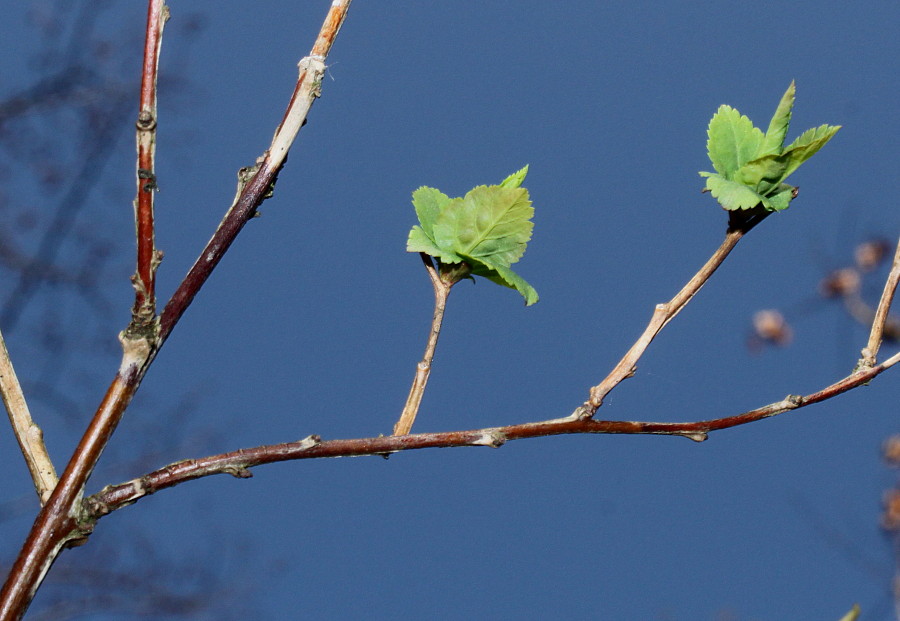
(254, 190)
(237, 463)
(144, 311)
(61, 521)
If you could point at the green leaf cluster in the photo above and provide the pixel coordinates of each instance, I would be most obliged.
(487, 230)
(751, 166)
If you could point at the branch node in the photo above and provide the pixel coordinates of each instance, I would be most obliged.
(795, 401)
(308, 442)
(239, 472)
(493, 438)
(585, 411)
(697, 436)
(146, 121)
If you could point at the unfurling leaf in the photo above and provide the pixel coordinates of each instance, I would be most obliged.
(488, 229)
(781, 120)
(753, 166)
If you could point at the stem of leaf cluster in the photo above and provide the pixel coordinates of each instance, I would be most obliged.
(740, 223)
(423, 369)
(870, 353)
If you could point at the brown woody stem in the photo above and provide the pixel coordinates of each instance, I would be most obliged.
(237, 463)
(423, 368)
(144, 280)
(870, 352)
(739, 225)
(62, 521)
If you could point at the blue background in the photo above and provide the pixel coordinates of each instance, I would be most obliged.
(314, 321)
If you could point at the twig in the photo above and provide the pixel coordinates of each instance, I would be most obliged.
(237, 463)
(870, 352)
(423, 368)
(62, 522)
(29, 435)
(264, 172)
(664, 313)
(144, 279)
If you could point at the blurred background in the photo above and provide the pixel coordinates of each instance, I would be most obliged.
(314, 321)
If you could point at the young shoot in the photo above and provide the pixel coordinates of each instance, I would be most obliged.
(479, 234)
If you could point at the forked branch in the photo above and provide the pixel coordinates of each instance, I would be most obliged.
(62, 522)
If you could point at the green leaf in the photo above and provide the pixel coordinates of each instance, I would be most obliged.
(781, 120)
(419, 241)
(485, 231)
(515, 180)
(808, 144)
(764, 173)
(489, 223)
(781, 199)
(506, 277)
(733, 141)
(428, 203)
(731, 195)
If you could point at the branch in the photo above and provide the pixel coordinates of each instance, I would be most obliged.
(29, 435)
(62, 523)
(237, 463)
(144, 280)
(740, 223)
(870, 352)
(423, 368)
(260, 177)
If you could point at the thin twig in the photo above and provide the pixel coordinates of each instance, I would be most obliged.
(28, 434)
(662, 315)
(144, 279)
(265, 171)
(870, 352)
(237, 463)
(62, 522)
(423, 368)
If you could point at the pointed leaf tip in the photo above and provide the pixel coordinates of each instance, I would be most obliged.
(515, 180)
(781, 120)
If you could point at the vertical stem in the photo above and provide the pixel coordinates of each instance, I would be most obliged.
(28, 434)
(144, 279)
(423, 369)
